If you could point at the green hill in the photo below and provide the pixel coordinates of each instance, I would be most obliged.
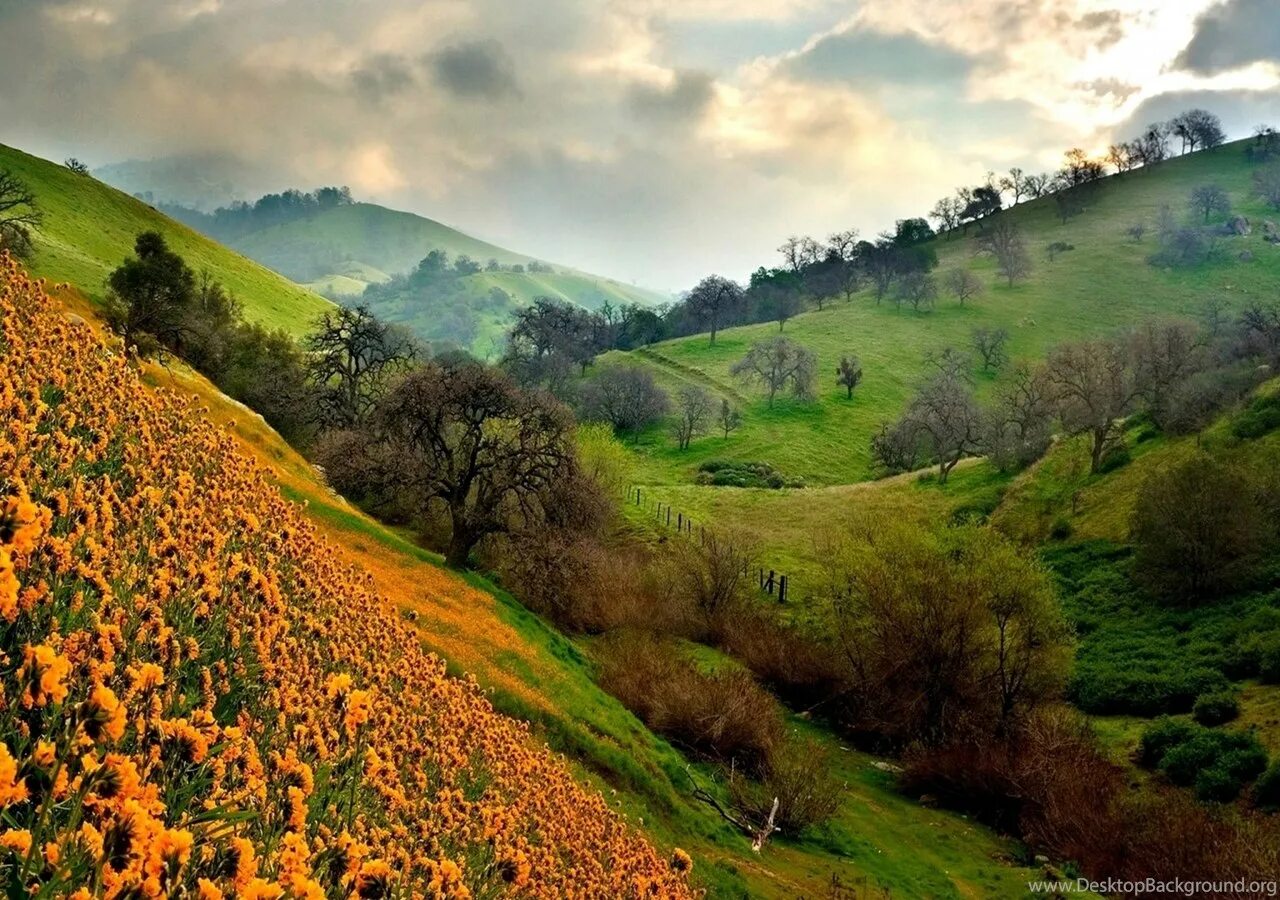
(1103, 284)
(89, 228)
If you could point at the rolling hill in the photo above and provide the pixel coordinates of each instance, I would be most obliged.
(341, 250)
(1103, 284)
(89, 228)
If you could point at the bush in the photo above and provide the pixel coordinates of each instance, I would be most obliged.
(1217, 785)
(1266, 791)
(1262, 417)
(1121, 688)
(1117, 457)
(723, 715)
(1198, 529)
(1159, 737)
(1216, 708)
(729, 473)
(798, 773)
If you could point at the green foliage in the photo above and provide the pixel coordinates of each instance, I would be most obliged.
(1262, 417)
(731, 473)
(1216, 708)
(1217, 763)
(1266, 790)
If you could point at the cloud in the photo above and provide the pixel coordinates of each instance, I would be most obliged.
(1235, 34)
(652, 139)
(479, 68)
(685, 98)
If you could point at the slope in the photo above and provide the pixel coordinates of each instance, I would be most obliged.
(1103, 284)
(229, 706)
(89, 228)
(879, 840)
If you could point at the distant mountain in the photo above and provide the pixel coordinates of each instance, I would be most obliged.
(340, 248)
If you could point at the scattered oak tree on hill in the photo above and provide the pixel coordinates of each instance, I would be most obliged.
(730, 419)
(150, 296)
(353, 357)
(1004, 241)
(1208, 200)
(777, 363)
(713, 300)
(963, 285)
(18, 214)
(990, 344)
(627, 397)
(693, 411)
(1094, 388)
(1266, 185)
(467, 439)
(849, 374)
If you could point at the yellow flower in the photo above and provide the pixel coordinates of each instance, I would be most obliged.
(18, 840)
(46, 674)
(12, 788)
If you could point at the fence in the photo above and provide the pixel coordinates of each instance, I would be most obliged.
(771, 582)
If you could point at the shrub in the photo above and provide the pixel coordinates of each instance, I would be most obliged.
(1159, 737)
(1061, 529)
(1266, 791)
(1217, 785)
(724, 715)
(798, 773)
(1198, 529)
(1117, 457)
(626, 397)
(1262, 417)
(729, 473)
(1215, 708)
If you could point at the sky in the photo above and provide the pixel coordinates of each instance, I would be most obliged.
(655, 141)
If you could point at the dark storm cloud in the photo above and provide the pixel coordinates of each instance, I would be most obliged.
(685, 99)
(478, 68)
(1233, 35)
(382, 76)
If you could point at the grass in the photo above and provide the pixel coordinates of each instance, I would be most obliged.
(1103, 285)
(89, 228)
(879, 839)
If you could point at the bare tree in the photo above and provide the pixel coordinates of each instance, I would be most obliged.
(729, 419)
(693, 411)
(1093, 387)
(713, 300)
(918, 289)
(946, 212)
(467, 439)
(1004, 241)
(1208, 199)
(1164, 356)
(627, 397)
(353, 357)
(948, 420)
(776, 363)
(1266, 185)
(963, 285)
(842, 255)
(18, 214)
(849, 374)
(1014, 185)
(990, 344)
(1021, 419)
(1037, 186)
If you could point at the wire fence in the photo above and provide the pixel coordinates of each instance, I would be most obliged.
(775, 584)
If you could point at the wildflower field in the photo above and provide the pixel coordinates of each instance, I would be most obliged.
(201, 699)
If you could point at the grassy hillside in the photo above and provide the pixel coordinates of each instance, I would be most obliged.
(205, 680)
(1103, 284)
(89, 228)
(878, 840)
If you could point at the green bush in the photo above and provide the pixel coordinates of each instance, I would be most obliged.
(730, 473)
(1161, 735)
(1183, 762)
(1262, 417)
(1215, 708)
(1061, 529)
(1266, 792)
(1114, 459)
(1216, 785)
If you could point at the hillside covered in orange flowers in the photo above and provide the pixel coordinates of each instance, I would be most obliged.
(201, 698)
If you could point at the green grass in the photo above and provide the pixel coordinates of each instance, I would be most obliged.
(1103, 285)
(89, 228)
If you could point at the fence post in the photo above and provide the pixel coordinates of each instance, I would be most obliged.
(668, 515)
(680, 522)
(782, 589)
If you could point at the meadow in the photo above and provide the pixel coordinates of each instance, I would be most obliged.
(1103, 284)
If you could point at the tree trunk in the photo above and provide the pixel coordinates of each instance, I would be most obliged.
(1099, 444)
(461, 540)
